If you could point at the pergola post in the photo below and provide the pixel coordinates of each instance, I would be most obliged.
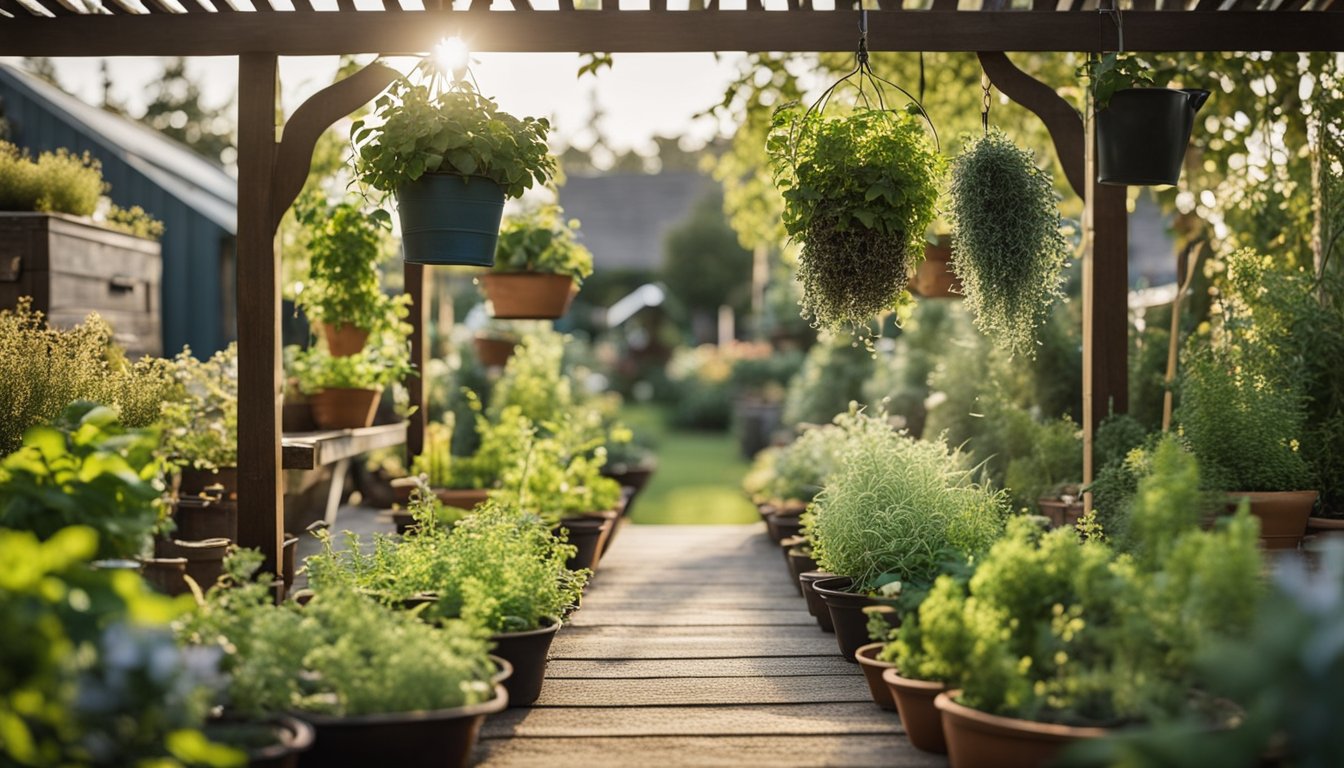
(416, 278)
(260, 373)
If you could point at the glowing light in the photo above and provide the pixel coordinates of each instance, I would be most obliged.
(451, 54)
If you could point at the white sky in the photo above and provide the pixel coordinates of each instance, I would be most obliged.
(642, 95)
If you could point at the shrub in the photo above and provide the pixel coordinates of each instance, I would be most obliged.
(799, 470)
(832, 376)
(534, 379)
(56, 182)
(541, 240)
(558, 475)
(200, 423)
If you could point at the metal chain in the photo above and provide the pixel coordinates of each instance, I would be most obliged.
(985, 101)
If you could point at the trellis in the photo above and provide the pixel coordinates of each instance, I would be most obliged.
(273, 160)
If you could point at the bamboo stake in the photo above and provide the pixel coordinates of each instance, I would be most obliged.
(1174, 341)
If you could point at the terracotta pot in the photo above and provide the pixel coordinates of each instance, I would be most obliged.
(440, 738)
(296, 415)
(847, 616)
(1060, 512)
(800, 562)
(205, 559)
(922, 721)
(1283, 515)
(463, 498)
(344, 339)
(345, 407)
(976, 738)
(165, 574)
(222, 482)
(526, 652)
(493, 352)
(872, 674)
(815, 605)
(1325, 526)
(289, 737)
(204, 517)
(934, 278)
(528, 295)
(586, 534)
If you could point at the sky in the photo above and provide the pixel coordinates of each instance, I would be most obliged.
(641, 95)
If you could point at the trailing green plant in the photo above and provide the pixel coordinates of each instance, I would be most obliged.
(832, 376)
(54, 182)
(1008, 248)
(200, 423)
(897, 509)
(859, 193)
(345, 244)
(541, 240)
(456, 131)
(43, 370)
(316, 369)
(342, 654)
(1056, 629)
(1112, 72)
(89, 672)
(85, 469)
(497, 568)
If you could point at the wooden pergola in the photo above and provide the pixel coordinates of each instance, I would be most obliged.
(274, 159)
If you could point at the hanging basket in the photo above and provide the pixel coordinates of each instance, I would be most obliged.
(528, 295)
(448, 219)
(1142, 134)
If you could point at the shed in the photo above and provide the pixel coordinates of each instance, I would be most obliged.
(196, 200)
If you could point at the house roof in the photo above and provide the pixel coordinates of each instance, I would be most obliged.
(179, 171)
(625, 217)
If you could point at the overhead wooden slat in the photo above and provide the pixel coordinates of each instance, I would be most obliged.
(1044, 5)
(1208, 5)
(1145, 5)
(170, 6)
(15, 8)
(1292, 5)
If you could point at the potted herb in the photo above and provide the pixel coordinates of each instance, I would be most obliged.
(450, 158)
(344, 391)
(859, 193)
(332, 662)
(799, 473)
(200, 424)
(497, 568)
(343, 295)
(1007, 247)
(1142, 131)
(539, 266)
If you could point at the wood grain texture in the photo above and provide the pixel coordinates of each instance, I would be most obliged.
(705, 691)
(639, 669)
(779, 719)
(846, 751)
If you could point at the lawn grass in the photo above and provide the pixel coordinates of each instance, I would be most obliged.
(699, 475)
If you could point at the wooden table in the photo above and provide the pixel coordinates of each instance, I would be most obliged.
(312, 450)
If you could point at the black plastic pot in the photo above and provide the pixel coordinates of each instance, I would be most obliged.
(275, 742)
(205, 516)
(527, 652)
(800, 562)
(815, 605)
(847, 616)
(1142, 135)
(441, 738)
(585, 533)
(205, 559)
(783, 525)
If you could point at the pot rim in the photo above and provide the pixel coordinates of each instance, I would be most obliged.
(945, 702)
(505, 669)
(488, 707)
(1325, 523)
(378, 390)
(550, 624)
(301, 732)
(867, 655)
(892, 676)
(1235, 497)
(817, 575)
(525, 275)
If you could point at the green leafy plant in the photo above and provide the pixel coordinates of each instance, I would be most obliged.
(89, 672)
(832, 376)
(133, 221)
(859, 192)
(316, 369)
(342, 654)
(496, 568)
(534, 379)
(458, 131)
(798, 471)
(559, 473)
(85, 469)
(498, 448)
(345, 243)
(57, 182)
(200, 423)
(1112, 72)
(899, 509)
(1007, 245)
(542, 240)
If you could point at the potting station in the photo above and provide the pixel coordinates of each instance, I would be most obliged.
(999, 498)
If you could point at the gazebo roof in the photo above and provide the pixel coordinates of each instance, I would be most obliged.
(320, 27)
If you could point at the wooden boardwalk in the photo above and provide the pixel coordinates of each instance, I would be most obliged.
(692, 649)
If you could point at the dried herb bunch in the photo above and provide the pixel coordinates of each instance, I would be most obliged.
(1007, 245)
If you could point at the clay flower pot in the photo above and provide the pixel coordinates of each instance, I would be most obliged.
(872, 674)
(440, 738)
(922, 721)
(1325, 526)
(493, 352)
(800, 562)
(934, 278)
(976, 738)
(345, 408)
(847, 616)
(344, 339)
(526, 652)
(528, 295)
(815, 605)
(275, 742)
(784, 524)
(1283, 515)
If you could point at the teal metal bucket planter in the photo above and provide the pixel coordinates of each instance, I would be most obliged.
(450, 219)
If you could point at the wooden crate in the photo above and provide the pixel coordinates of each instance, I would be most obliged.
(71, 267)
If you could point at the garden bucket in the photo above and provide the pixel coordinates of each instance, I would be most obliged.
(1142, 134)
(450, 219)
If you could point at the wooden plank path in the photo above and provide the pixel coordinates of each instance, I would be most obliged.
(691, 649)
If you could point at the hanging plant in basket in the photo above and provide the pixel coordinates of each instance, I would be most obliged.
(1007, 246)
(859, 192)
(451, 157)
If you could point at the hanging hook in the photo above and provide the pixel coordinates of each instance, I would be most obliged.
(863, 37)
(985, 85)
(1116, 16)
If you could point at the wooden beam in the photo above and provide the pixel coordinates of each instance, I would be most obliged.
(260, 482)
(649, 31)
(317, 449)
(1059, 116)
(417, 278)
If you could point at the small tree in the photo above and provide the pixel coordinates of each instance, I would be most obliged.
(704, 265)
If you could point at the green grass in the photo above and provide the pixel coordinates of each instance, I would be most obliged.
(699, 475)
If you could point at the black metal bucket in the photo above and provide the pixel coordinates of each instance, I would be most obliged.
(1142, 134)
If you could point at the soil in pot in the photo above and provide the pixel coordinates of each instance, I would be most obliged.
(345, 407)
(847, 616)
(872, 674)
(273, 743)
(344, 339)
(922, 721)
(1283, 515)
(815, 605)
(527, 652)
(586, 534)
(442, 738)
(528, 295)
(977, 738)
(493, 352)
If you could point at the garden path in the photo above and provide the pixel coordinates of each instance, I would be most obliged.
(691, 649)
